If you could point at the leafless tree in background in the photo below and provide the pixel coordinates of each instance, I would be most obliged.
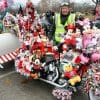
(96, 1)
(46, 5)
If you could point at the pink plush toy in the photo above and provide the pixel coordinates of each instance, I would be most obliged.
(86, 39)
(95, 57)
(84, 59)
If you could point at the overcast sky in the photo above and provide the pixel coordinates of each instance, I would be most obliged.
(90, 1)
(23, 2)
(78, 1)
(36, 1)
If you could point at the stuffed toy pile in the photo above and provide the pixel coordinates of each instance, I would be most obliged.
(79, 54)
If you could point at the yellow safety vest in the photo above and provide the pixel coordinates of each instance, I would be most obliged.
(60, 29)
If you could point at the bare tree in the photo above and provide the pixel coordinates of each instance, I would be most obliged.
(96, 1)
(53, 5)
(46, 5)
(43, 5)
(66, 1)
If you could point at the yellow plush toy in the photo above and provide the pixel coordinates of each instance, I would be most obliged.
(72, 75)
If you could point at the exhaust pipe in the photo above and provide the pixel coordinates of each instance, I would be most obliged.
(54, 84)
(57, 75)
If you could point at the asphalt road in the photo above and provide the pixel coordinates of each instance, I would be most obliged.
(12, 87)
(8, 43)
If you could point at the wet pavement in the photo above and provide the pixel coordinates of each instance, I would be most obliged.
(12, 87)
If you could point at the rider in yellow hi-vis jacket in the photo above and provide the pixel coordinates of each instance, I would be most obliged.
(63, 19)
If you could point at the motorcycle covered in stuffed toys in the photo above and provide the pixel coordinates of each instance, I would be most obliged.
(56, 65)
(64, 66)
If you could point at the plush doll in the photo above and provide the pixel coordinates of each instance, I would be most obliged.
(21, 53)
(36, 55)
(35, 33)
(30, 10)
(87, 37)
(27, 24)
(34, 75)
(70, 42)
(17, 60)
(72, 56)
(72, 75)
(44, 40)
(38, 45)
(27, 42)
(20, 65)
(27, 67)
(70, 28)
(77, 60)
(83, 22)
(37, 64)
(83, 70)
(78, 38)
(38, 27)
(64, 48)
(95, 57)
(49, 48)
(84, 59)
(56, 53)
(70, 66)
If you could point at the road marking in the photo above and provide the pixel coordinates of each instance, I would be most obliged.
(4, 75)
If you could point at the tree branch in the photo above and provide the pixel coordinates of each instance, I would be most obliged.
(95, 1)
